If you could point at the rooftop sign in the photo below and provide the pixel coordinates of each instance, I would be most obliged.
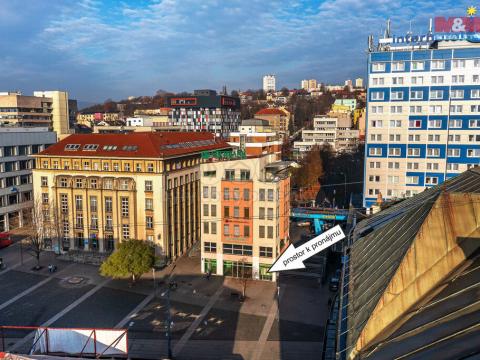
(457, 28)
(223, 154)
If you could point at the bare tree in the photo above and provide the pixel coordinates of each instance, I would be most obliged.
(35, 242)
(55, 225)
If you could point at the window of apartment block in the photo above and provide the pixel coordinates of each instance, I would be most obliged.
(125, 209)
(236, 212)
(261, 232)
(45, 198)
(270, 232)
(432, 166)
(246, 213)
(413, 152)
(452, 166)
(210, 247)
(126, 167)
(431, 180)
(246, 194)
(266, 251)
(213, 210)
(205, 209)
(78, 183)
(398, 66)
(64, 202)
(226, 211)
(454, 138)
(270, 194)
(93, 204)
(78, 202)
(226, 230)
(236, 230)
(138, 167)
(246, 230)
(226, 194)
(148, 204)
(261, 195)
(229, 174)
(236, 194)
(123, 184)
(148, 185)
(149, 222)
(213, 192)
(412, 180)
(453, 152)
(213, 228)
(244, 174)
(433, 152)
(150, 167)
(261, 213)
(378, 67)
(270, 214)
(414, 137)
(116, 166)
(205, 192)
(125, 231)
(108, 204)
(393, 165)
(438, 64)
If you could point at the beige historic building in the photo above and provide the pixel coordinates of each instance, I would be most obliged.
(112, 187)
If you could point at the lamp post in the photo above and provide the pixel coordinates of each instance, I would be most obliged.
(344, 186)
(169, 316)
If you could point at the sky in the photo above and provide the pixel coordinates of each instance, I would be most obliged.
(97, 50)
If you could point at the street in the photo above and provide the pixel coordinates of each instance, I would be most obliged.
(209, 321)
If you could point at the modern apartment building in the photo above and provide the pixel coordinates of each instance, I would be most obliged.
(44, 109)
(205, 111)
(17, 145)
(60, 111)
(256, 138)
(269, 83)
(245, 215)
(111, 187)
(423, 114)
(279, 118)
(335, 130)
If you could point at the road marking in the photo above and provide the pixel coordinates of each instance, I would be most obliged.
(262, 340)
(139, 307)
(32, 288)
(70, 307)
(15, 266)
(181, 343)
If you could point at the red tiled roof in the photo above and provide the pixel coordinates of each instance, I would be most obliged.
(149, 144)
(270, 111)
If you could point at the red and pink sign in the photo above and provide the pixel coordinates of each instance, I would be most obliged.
(457, 24)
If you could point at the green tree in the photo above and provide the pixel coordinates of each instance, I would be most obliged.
(132, 259)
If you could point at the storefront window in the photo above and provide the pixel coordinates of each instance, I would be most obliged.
(210, 265)
(264, 274)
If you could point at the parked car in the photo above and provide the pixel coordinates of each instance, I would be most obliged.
(335, 280)
(5, 240)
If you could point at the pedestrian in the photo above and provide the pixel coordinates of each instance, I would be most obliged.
(208, 274)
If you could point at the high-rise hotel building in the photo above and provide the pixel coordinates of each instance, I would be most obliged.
(423, 114)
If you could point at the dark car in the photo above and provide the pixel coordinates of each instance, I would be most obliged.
(5, 240)
(335, 280)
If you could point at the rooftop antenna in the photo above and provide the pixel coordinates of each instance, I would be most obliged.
(410, 28)
(387, 30)
(430, 26)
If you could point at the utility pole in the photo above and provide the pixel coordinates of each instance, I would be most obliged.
(169, 316)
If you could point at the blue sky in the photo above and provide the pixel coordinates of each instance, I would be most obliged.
(114, 49)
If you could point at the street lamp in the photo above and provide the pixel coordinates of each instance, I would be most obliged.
(344, 186)
(169, 316)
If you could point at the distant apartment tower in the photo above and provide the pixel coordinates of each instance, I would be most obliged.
(309, 85)
(359, 83)
(44, 109)
(244, 215)
(17, 144)
(60, 111)
(269, 83)
(423, 116)
(205, 111)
